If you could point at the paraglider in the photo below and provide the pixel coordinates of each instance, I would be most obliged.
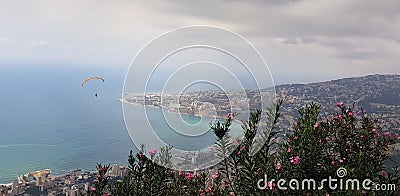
(91, 78)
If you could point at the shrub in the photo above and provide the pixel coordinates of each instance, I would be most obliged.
(318, 148)
(315, 149)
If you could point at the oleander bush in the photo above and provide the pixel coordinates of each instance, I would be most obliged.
(348, 143)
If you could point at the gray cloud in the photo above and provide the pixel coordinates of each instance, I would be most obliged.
(321, 37)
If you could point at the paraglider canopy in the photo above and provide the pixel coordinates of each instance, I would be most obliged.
(91, 78)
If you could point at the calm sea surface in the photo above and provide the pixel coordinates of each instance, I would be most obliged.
(48, 121)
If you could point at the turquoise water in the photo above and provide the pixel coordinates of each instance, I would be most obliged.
(48, 121)
(183, 132)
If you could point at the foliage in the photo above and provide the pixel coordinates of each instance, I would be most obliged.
(316, 149)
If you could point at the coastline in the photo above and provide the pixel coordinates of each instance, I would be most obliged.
(6, 185)
(47, 173)
(170, 111)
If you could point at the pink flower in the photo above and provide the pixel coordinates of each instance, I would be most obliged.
(341, 160)
(215, 176)
(153, 152)
(277, 167)
(230, 115)
(288, 139)
(180, 173)
(387, 133)
(295, 160)
(340, 104)
(92, 189)
(319, 141)
(383, 173)
(235, 143)
(201, 191)
(295, 137)
(189, 176)
(350, 114)
(289, 150)
(316, 125)
(107, 194)
(270, 185)
(396, 136)
(95, 181)
(333, 163)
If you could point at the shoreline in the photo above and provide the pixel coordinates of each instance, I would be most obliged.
(168, 110)
(47, 172)
(6, 185)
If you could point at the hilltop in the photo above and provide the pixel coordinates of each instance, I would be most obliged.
(379, 95)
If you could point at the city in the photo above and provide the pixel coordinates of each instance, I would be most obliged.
(75, 183)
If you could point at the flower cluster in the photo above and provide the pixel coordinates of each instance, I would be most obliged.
(101, 182)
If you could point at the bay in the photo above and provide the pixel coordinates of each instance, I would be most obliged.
(49, 121)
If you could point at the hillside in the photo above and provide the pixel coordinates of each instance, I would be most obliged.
(378, 94)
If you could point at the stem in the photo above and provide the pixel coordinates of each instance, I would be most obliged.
(222, 141)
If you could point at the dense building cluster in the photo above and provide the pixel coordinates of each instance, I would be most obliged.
(75, 183)
(379, 95)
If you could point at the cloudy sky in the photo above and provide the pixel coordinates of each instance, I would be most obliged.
(301, 41)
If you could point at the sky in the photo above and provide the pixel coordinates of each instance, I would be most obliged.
(301, 40)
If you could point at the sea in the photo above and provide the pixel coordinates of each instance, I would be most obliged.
(48, 120)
